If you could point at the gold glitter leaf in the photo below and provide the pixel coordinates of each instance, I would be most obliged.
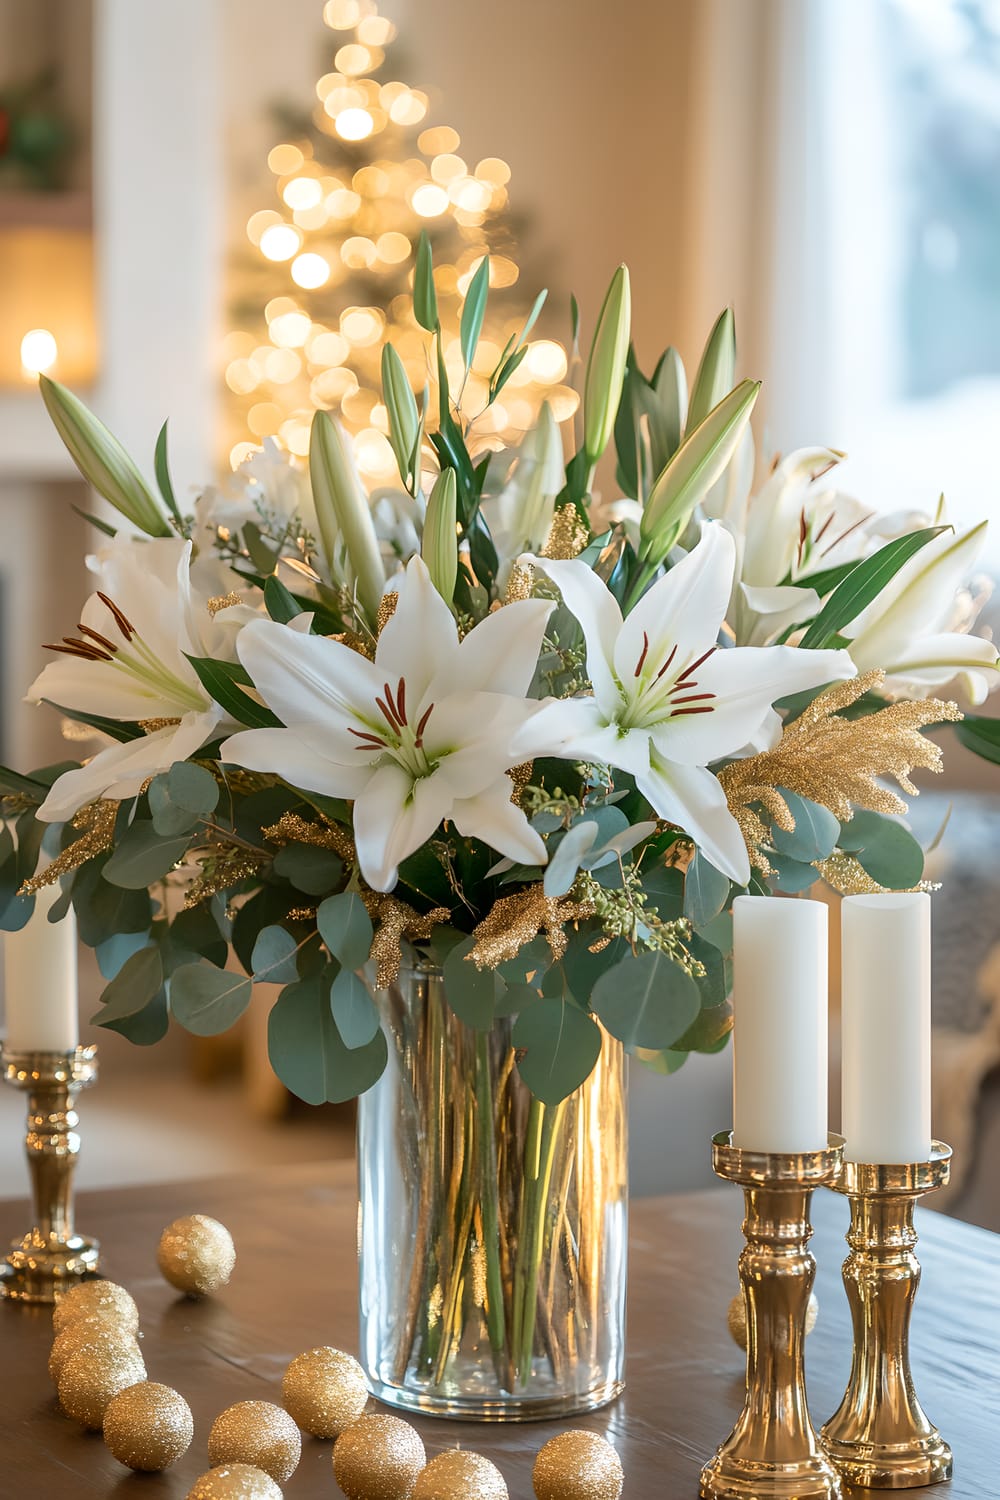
(222, 601)
(568, 534)
(386, 610)
(96, 825)
(515, 920)
(835, 761)
(397, 923)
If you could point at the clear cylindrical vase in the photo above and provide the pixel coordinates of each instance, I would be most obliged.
(493, 1227)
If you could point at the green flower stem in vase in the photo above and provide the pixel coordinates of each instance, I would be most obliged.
(492, 1224)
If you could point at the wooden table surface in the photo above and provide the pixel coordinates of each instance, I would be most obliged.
(294, 1287)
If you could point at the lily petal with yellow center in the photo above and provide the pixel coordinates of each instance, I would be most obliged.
(422, 733)
(667, 702)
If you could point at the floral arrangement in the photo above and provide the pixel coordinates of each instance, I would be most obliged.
(484, 717)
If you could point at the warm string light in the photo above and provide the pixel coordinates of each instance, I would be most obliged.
(333, 267)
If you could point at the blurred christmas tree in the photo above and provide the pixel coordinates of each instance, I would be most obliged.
(358, 178)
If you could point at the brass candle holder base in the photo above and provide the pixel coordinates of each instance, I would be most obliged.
(773, 1452)
(51, 1257)
(879, 1437)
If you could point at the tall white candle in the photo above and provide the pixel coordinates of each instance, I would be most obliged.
(780, 1024)
(40, 988)
(886, 942)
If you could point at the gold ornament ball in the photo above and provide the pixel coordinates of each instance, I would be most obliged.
(196, 1255)
(257, 1433)
(148, 1426)
(460, 1476)
(97, 1335)
(324, 1390)
(234, 1482)
(736, 1318)
(104, 1299)
(88, 1382)
(577, 1466)
(378, 1458)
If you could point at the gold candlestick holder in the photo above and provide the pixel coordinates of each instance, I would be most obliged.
(51, 1257)
(773, 1452)
(879, 1437)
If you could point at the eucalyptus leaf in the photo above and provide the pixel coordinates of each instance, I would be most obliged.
(353, 1010)
(886, 850)
(147, 1026)
(307, 1051)
(815, 833)
(558, 1046)
(646, 1001)
(207, 1000)
(143, 857)
(102, 908)
(309, 868)
(115, 950)
(273, 957)
(472, 992)
(182, 797)
(791, 875)
(138, 980)
(346, 928)
(706, 891)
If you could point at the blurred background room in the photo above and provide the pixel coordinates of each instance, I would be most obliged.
(208, 212)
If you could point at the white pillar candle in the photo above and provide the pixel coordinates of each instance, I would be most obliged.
(779, 1024)
(886, 944)
(40, 986)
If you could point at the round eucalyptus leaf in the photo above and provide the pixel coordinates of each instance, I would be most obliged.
(815, 833)
(182, 797)
(706, 890)
(560, 1045)
(346, 928)
(273, 958)
(307, 1052)
(207, 1000)
(143, 857)
(138, 980)
(353, 1010)
(646, 1001)
(472, 992)
(310, 869)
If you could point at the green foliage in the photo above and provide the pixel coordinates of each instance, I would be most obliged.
(353, 1010)
(224, 681)
(472, 992)
(207, 1000)
(980, 735)
(862, 584)
(646, 1001)
(815, 834)
(307, 1051)
(884, 848)
(181, 798)
(558, 1045)
(143, 856)
(706, 890)
(346, 929)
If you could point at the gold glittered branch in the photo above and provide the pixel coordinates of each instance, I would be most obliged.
(835, 761)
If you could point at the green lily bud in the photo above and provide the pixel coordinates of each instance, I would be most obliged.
(102, 460)
(404, 419)
(717, 371)
(606, 366)
(439, 546)
(690, 474)
(343, 513)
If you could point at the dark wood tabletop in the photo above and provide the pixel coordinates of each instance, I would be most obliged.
(294, 1287)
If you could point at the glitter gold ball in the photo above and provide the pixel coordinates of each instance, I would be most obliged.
(102, 1299)
(577, 1466)
(87, 1384)
(460, 1476)
(736, 1318)
(257, 1433)
(196, 1255)
(234, 1482)
(378, 1458)
(96, 1335)
(148, 1426)
(324, 1391)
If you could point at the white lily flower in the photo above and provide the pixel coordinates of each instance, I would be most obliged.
(423, 733)
(269, 488)
(666, 701)
(908, 629)
(130, 663)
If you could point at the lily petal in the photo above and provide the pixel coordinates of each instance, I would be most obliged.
(596, 608)
(281, 752)
(745, 681)
(685, 609)
(120, 770)
(315, 685)
(691, 797)
(393, 816)
(494, 818)
(919, 599)
(576, 728)
(420, 641)
(501, 653)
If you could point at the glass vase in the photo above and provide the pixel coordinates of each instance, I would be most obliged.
(493, 1227)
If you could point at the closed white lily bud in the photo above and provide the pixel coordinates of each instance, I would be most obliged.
(439, 547)
(606, 366)
(401, 406)
(343, 513)
(102, 460)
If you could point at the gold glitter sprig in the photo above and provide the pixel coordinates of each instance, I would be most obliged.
(397, 923)
(515, 920)
(224, 866)
(520, 583)
(96, 826)
(222, 601)
(568, 534)
(386, 610)
(293, 829)
(848, 876)
(835, 761)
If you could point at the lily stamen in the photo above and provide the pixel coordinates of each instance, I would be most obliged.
(696, 664)
(419, 741)
(95, 635)
(121, 619)
(666, 664)
(643, 653)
